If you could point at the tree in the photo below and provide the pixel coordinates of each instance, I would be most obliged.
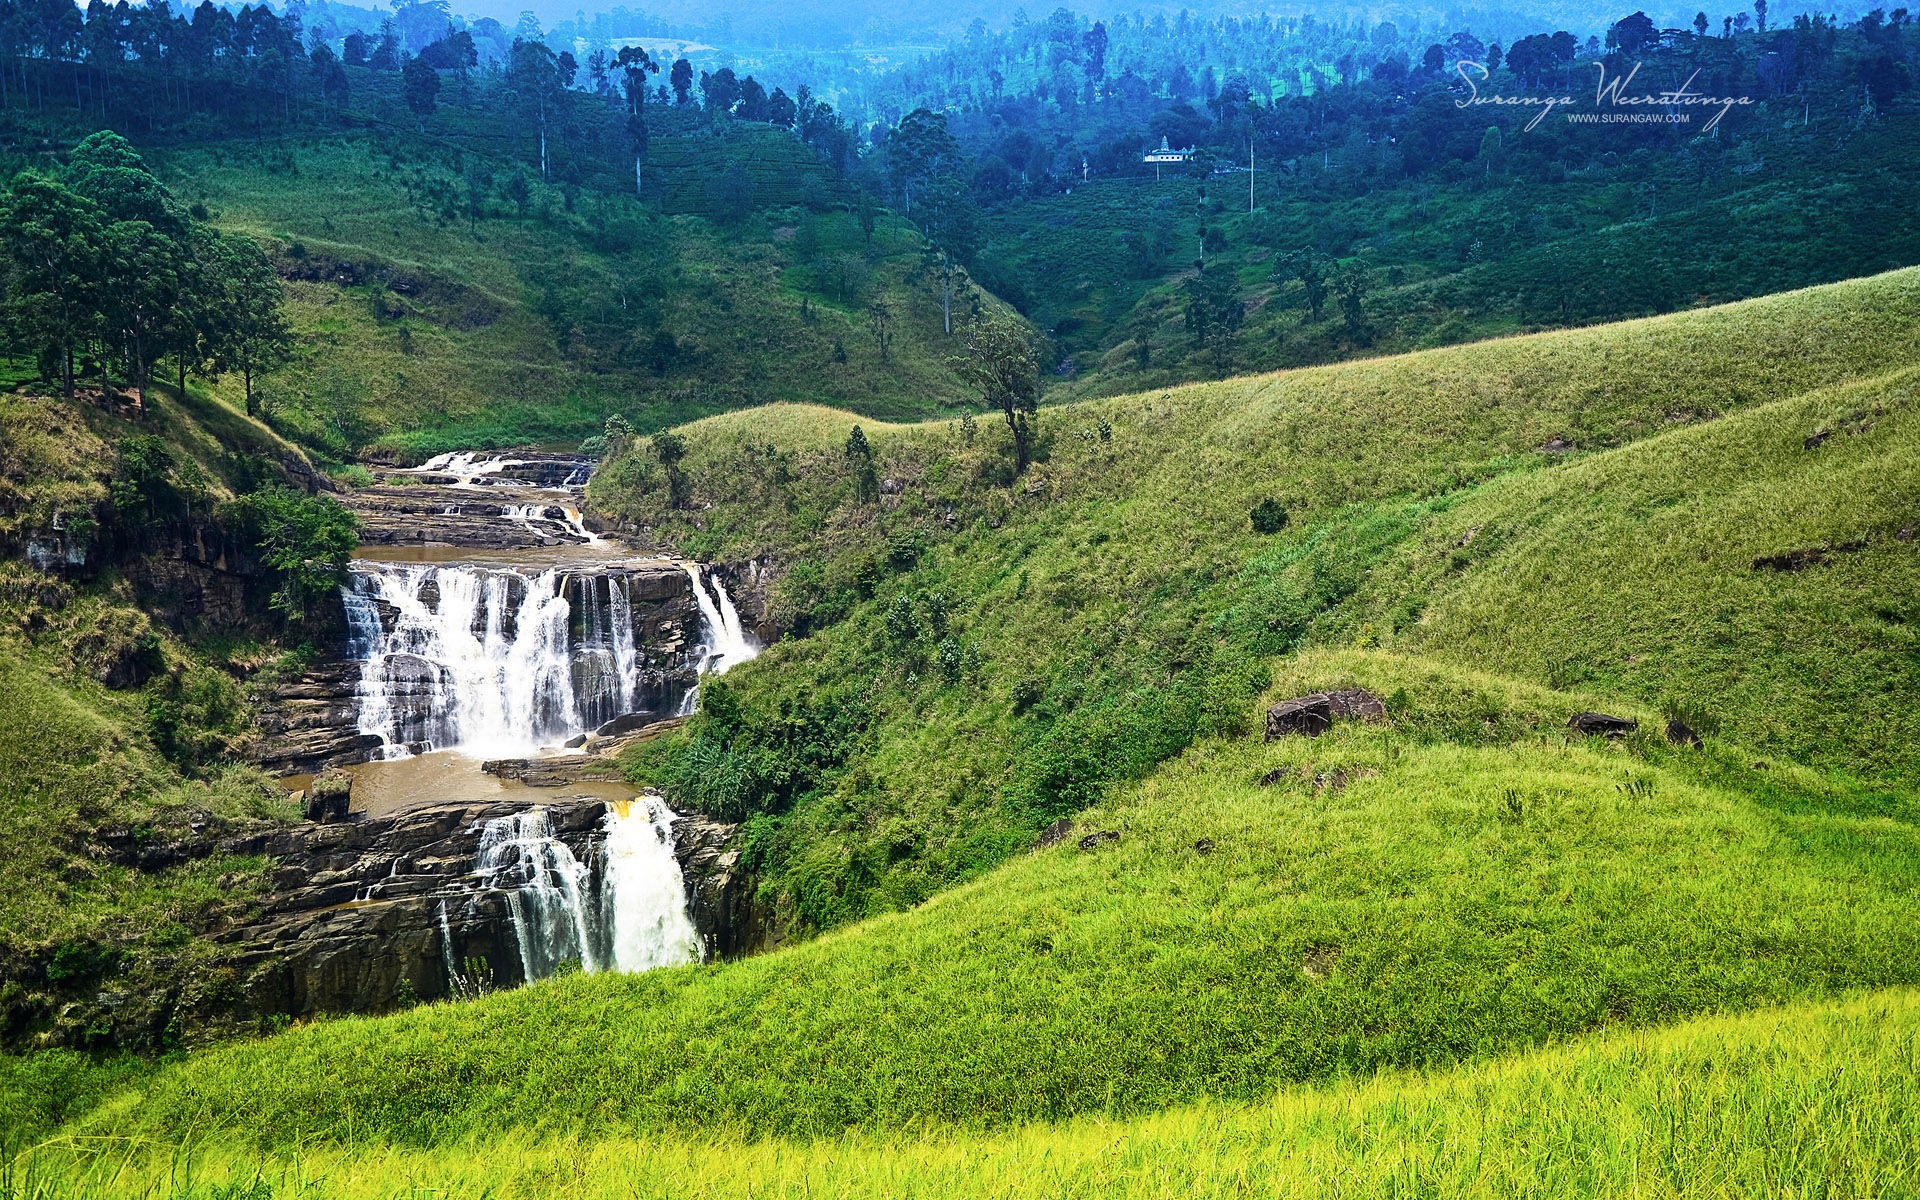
(53, 243)
(880, 324)
(1214, 312)
(1631, 33)
(635, 64)
(668, 449)
(146, 270)
(920, 151)
(1000, 362)
(682, 80)
(1350, 282)
(866, 480)
(305, 543)
(533, 72)
(1310, 268)
(1095, 42)
(251, 335)
(420, 83)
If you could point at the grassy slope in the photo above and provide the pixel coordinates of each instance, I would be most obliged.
(1479, 885)
(531, 328)
(1121, 569)
(1462, 882)
(1811, 1097)
(1633, 573)
(75, 756)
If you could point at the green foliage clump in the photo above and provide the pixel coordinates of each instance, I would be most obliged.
(1268, 516)
(305, 541)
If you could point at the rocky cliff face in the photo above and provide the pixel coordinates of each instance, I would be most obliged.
(364, 916)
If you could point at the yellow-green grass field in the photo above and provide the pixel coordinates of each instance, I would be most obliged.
(1809, 1099)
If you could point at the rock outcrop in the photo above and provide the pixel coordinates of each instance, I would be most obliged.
(1311, 716)
(364, 915)
(1593, 724)
(722, 896)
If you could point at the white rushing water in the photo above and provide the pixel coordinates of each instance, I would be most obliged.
(637, 921)
(546, 888)
(724, 641)
(643, 896)
(497, 660)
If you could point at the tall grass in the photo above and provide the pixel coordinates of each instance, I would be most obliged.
(1804, 1100)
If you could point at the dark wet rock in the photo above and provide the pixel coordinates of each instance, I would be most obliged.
(1275, 777)
(329, 796)
(1682, 734)
(1593, 724)
(1816, 438)
(627, 723)
(722, 896)
(1053, 834)
(1311, 716)
(359, 916)
(1203, 846)
(1104, 837)
(554, 772)
(1558, 445)
(575, 742)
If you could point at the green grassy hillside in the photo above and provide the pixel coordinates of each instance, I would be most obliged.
(1466, 880)
(1809, 1097)
(121, 720)
(439, 307)
(1386, 916)
(1758, 573)
(979, 660)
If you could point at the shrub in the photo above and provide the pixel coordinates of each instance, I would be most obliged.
(1268, 516)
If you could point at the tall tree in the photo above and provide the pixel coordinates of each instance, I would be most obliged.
(420, 83)
(1214, 312)
(635, 65)
(533, 72)
(1000, 362)
(53, 242)
(250, 334)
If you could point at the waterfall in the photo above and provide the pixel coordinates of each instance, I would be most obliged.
(726, 643)
(637, 922)
(501, 660)
(644, 898)
(546, 888)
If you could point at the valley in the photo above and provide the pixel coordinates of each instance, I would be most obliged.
(578, 623)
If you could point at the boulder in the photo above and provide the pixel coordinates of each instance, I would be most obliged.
(1682, 734)
(1094, 841)
(1053, 834)
(329, 796)
(1593, 724)
(1311, 716)
(631, 722)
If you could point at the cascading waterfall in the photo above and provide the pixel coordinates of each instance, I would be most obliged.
(546, 890)
(493, 659)
(643, 897)
(724, 642)
(628, 912)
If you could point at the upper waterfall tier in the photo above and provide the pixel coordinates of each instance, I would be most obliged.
(503, 661)
(520, 500)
